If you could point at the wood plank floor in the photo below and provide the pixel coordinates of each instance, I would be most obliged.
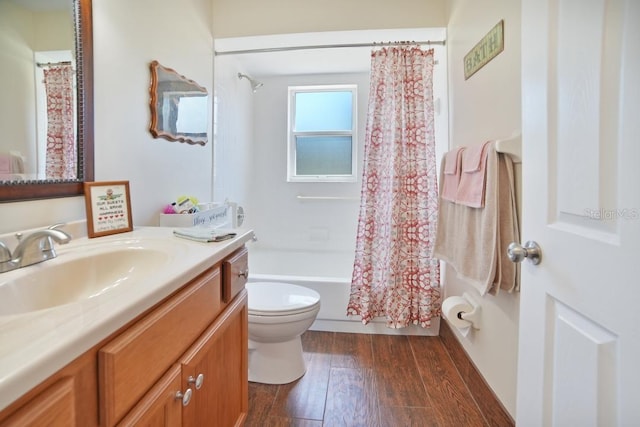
(369, 381)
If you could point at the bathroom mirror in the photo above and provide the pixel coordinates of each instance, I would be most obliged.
(179, 107)
(52, 26)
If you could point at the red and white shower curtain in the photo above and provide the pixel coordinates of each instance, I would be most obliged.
(61, 154)
(394, 275)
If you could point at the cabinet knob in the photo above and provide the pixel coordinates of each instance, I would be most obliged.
(196, 381)
(185, 397)
(244, 274)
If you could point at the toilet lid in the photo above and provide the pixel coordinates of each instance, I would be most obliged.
(278, 299)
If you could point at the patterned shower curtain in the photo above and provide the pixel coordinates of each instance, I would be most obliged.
(394, 275)
(61, 156)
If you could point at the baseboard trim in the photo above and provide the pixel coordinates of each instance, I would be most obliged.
(374, 327)
(492, 409)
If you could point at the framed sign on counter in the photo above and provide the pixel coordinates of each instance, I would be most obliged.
(108, 208)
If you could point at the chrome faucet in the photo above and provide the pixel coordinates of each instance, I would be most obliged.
(5, 253)
(33, 248)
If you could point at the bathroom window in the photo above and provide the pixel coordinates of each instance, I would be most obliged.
(322, 133)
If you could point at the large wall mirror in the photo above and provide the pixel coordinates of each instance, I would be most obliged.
(46, 107)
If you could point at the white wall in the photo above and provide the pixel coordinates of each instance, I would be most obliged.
(259, 17)
(128, 36)
(17, 102)
(53, 30)
(487, 106)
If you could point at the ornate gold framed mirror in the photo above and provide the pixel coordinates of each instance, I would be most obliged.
(179, 107)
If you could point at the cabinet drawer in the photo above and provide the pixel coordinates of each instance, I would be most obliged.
(235, 270)
(131, 363)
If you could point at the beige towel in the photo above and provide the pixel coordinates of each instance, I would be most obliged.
(474, 240)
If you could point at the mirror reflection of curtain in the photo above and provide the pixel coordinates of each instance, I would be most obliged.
(61, 157)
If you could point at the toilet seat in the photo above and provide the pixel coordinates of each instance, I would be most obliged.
(280, 299)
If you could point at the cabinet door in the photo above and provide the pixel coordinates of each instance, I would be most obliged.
(161, 406)
(54, 407)
(131, 363)
(220, 356)
(67, 398)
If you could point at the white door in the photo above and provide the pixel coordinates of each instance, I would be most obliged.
(579, 350)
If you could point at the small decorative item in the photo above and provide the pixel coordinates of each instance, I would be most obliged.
(108, 208)
(486, 49)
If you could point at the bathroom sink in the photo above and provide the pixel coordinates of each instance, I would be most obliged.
(76, 276)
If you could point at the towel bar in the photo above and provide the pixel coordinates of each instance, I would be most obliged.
(511, 146)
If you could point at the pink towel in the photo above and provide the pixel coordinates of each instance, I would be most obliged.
(474, 241)
(451, 175)
(5, 164)
(471, 187)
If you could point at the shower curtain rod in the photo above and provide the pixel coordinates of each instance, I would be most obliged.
(326, 46)
(52, 64)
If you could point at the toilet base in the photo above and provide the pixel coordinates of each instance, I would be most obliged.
(276, 363)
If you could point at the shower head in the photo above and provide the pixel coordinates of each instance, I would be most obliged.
(255, 85)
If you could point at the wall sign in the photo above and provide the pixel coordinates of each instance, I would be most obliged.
(486, 49)
(108, 207)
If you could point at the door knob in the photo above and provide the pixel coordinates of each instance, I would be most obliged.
(531, 250)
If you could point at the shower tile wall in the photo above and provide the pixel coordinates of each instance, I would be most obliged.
(250, 134)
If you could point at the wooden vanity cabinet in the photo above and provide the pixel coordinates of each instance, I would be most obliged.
(211, 362)
(130, 364)
(68, 398)
(220, 396)
(140, 375)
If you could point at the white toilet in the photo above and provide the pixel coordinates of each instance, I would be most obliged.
(278, 314)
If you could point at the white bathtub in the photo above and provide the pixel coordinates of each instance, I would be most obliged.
(329, 274)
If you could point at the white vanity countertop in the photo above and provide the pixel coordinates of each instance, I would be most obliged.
(35, 345)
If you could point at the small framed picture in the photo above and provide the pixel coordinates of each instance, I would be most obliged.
(108, 208)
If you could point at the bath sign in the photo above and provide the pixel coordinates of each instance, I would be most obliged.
(108, 207)
(486, 49)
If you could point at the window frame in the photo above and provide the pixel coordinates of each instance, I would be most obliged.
(292, 175)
